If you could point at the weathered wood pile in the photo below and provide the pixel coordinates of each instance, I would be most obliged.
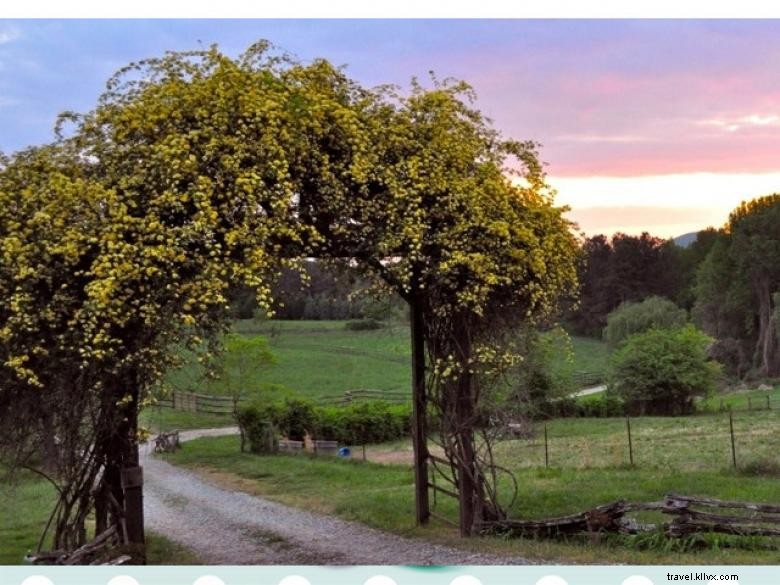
(101, 551)
(690, 515)
(742, 518)
(167, 442)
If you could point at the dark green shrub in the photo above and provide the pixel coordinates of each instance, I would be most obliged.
(257, 428)
(364, 325)
(359, 423)
(661, 371)
(363, 422)
(329, 424)
(296, 418)
(599, 406)
(631, 318)
(602, 406)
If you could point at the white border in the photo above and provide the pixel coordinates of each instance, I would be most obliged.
(390, 9)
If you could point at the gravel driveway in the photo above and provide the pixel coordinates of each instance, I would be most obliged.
(228, 527)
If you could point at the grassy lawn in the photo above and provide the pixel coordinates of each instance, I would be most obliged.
(693, 443)
(590, 355)
(755, 399)
(167, 419)
(323, 359)
(382, 496)
(24, 509)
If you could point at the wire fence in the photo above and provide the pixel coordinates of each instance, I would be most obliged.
(732, 439)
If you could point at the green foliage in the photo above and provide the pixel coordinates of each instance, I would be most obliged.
(197, 172)
(364, 423)
(625, 268)
(630, 318)
(297, 417)
(736, 282)
(257, 427)
(602, 405)
(545, 374)
(242, 358)
(661, 371)
(359, 423)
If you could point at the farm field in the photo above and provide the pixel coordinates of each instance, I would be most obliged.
(322, 359)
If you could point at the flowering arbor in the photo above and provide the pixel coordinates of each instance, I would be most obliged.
(197, 171)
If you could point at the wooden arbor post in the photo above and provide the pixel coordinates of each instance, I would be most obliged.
(419, 410)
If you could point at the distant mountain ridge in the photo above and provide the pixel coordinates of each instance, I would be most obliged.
(686, 240)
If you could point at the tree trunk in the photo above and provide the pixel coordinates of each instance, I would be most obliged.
(419, 413)
(767, 343)
(468, 484)
(123, 476)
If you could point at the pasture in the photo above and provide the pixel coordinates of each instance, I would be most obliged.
(320, 360)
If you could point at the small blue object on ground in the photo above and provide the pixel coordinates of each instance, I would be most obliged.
(344, 452)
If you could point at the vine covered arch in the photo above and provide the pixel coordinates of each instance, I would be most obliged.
(196, 171)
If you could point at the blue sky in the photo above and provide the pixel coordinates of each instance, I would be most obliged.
(679, 116)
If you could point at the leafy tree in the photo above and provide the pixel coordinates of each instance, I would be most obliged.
(690, 258)
(661, 371)
(755, 249)
(597, 297)
(624, 269)
(119, 244)
(546, 372)
(736, 281)
(630, 318)
(243, 356)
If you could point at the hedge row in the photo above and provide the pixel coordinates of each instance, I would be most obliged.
(602, 406)
(355, 424)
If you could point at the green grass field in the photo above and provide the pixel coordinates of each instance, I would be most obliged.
(320, 359)
(676, 444)
(323, 358)
(25, 506)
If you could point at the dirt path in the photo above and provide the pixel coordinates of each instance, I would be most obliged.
(228, 527)
(592, 390)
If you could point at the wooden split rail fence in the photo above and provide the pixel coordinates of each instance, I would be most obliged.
(689, 514)
(583, 379)
(201, 403)
(227, 405)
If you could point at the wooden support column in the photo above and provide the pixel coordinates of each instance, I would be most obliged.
(132, 485)
(419, 430)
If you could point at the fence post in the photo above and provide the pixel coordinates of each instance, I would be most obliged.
(733, 448)
(630, 444)
(546, 450)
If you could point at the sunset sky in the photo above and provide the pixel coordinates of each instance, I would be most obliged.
(661, 126)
